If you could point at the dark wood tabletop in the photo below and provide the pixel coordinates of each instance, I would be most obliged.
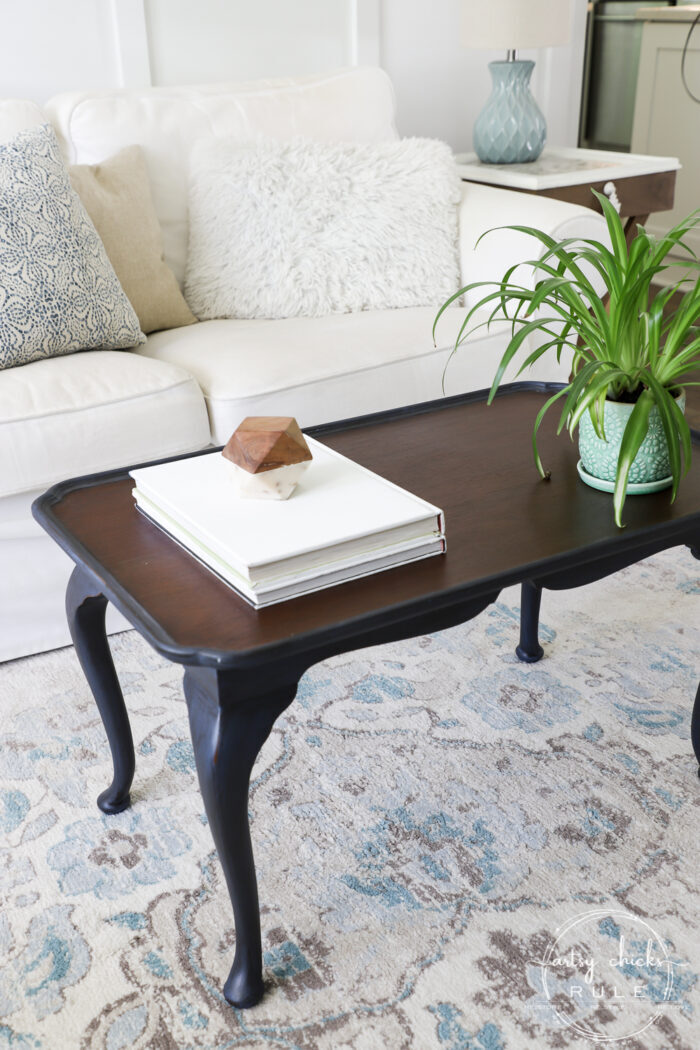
(503, 525)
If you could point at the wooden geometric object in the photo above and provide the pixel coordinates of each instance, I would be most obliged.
(268, 455)
(263, 443)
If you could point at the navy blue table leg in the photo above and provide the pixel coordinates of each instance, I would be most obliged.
(228, 729)
(695, 721)
(85, 608)
(529, 650)
(695, 728)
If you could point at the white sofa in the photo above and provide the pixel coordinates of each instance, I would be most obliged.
(189, 387)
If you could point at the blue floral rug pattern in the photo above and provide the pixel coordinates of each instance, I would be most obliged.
(425, 816)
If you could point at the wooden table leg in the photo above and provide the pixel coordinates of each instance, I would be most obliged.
(228, 729)
(529, 650)
(85, 609)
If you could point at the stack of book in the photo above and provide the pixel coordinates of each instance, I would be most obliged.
(342, 522)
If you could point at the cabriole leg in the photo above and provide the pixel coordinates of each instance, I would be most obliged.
(529, 650)
(695, 721)
(695, 728)
(85, 609)
(227, 734)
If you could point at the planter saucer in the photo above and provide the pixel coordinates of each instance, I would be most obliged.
(633, 488)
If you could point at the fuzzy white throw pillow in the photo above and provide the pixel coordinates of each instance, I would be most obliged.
(305, 228)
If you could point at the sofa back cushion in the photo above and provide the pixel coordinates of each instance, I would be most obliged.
(17, 114)
(355, 105)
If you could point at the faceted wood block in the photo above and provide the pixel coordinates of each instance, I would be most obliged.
(268, 455)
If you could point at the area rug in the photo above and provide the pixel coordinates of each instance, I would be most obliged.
(430, 818)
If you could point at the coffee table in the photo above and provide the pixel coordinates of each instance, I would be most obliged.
(242, 666)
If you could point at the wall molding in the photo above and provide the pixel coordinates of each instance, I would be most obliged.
(131, 43)
(365, 32)
(665, 118)
(559, 75)
(130, 28)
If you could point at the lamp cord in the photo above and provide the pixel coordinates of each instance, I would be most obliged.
(685, 52)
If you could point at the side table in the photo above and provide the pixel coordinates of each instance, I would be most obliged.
(636, 184)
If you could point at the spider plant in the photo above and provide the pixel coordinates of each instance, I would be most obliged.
(626, 346)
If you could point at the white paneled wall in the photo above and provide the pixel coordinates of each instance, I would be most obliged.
(55, 45)
(243, 39)
(48, 46)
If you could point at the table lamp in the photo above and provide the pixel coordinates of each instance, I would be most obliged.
(511, 128)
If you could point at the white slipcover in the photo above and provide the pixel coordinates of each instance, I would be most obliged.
(34, 572)
(16, 114)
(67, 416)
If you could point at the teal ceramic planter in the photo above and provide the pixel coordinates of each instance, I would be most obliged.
(511, 128)
(599, 458)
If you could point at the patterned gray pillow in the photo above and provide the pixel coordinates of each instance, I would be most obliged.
(58, 291)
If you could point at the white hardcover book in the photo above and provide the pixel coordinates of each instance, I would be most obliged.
(340, 514)
(291, 587)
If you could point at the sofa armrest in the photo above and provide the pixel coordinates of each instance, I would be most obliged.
(485, 207)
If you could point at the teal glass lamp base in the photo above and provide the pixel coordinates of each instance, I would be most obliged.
(511, 128)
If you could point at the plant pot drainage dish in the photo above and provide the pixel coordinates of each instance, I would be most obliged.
(630, 351)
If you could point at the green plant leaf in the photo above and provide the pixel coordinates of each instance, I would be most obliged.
(511, 350)
(675, 438)
(633, 343)
(575, 390)
(634, 433)
(615, 229)
(538, 422)
(683, 430)
(586, 401)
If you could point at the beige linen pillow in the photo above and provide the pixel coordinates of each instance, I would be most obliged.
(117, 196)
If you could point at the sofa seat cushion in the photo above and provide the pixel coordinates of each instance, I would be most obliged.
(93, 411)
(325, 368)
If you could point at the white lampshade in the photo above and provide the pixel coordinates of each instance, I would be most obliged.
(510, 25)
